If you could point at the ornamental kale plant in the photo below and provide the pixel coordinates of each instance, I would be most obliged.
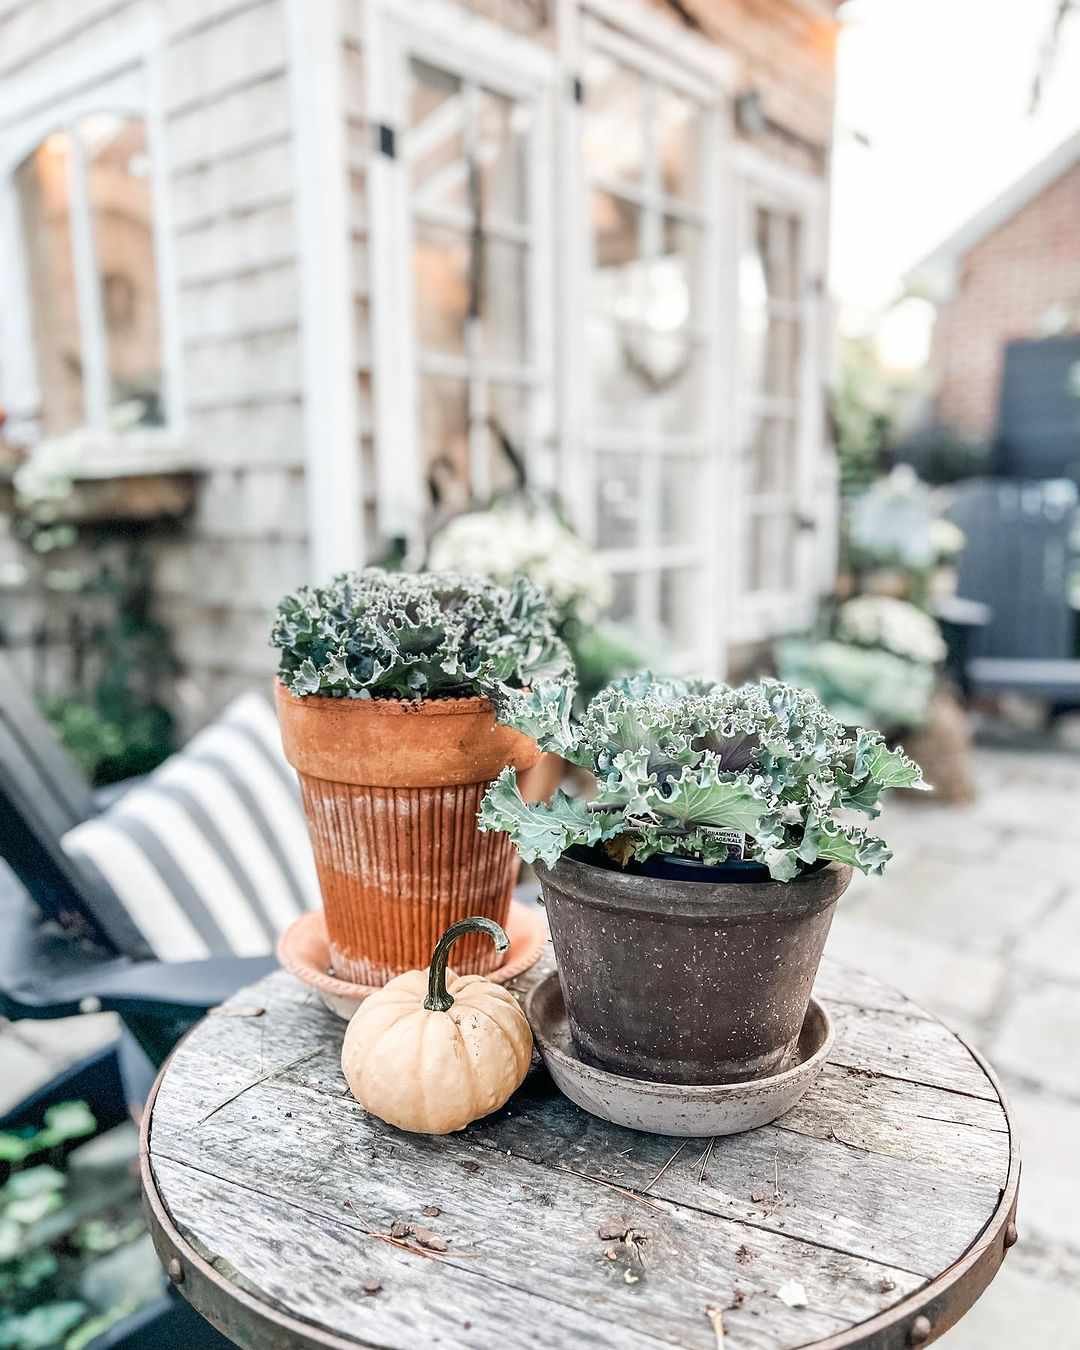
(376, 634)
(704, 771)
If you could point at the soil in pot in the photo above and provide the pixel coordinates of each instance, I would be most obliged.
(679, 973)
(391, 790)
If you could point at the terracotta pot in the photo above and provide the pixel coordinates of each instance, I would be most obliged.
(539, 783)
(686, 980)
(391, 790)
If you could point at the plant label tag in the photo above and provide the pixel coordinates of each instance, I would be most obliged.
(736, 842)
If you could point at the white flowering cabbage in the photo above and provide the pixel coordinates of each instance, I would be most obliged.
(519, 538)
(894, 625)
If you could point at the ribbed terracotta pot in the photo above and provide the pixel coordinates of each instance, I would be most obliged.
(391, 790)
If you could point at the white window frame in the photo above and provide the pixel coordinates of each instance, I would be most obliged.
(123, 76)
(706, 74)
(476, 50)
(762, 181)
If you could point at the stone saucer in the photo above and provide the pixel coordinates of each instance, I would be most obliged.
(673, 1108)
(304, 951)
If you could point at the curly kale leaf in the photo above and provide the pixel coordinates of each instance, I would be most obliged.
(376, 634)
(676, 762)
(540, 830)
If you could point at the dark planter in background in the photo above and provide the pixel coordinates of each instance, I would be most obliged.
(687, 976)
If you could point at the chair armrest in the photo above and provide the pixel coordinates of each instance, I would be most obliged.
(45, 973)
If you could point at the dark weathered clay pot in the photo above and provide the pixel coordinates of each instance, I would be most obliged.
(687, 981)
(391, 790)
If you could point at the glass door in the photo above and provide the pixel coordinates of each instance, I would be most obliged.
(459, 217)
(779, 404)
(651, 426)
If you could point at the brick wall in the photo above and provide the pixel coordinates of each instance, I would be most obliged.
(1006, 286)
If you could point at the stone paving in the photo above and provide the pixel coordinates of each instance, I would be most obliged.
(978, 920)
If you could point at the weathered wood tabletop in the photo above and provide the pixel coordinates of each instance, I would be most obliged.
(873, 1214)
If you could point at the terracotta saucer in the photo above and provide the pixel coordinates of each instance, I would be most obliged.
(672, 1108)
(304, 951)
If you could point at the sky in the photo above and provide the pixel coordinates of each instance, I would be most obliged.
(941, 90)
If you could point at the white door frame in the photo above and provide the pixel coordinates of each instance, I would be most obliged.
(761, 180)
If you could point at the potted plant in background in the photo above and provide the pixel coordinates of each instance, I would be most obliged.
(690, 899)
(879, 665)
(393, 692)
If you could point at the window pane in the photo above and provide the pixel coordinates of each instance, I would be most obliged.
(502, 129)
(784, 244)
(441, 269)
(121, 206)
(624, 605)
(503, 301)
(435, 145)
(642, 379)
(681, 484)
(675, 289)
(772, 452)
(782, 358)
(508, 435)
(680, 605)
(678, 127)
(612, 140)
(618, 500)
(777, 244)
(444, 439)
(616, 230)
(757, 571)
(42, 187)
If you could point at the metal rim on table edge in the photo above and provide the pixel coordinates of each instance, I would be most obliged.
(916, 1320)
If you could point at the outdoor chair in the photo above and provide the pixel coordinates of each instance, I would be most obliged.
(1019, 558)
(163, 900)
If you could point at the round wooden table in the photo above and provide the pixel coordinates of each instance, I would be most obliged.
(873, 1214)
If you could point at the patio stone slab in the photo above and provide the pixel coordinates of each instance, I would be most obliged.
(1021, 1311)
(22, 1068)
(70, 1039)
(955, 984)
(1049, 1132)
(1038, 1040)
(978, 908)
(1053, 946)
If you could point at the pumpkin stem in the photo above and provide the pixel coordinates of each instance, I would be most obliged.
(438, 999)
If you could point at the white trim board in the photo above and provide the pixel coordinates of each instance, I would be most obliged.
(332, 485)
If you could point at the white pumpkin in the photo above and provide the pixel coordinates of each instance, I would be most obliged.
(432, 1051)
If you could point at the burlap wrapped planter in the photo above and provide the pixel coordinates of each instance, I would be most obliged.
(391, 790)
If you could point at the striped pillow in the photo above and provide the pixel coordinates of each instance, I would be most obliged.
(207, 856)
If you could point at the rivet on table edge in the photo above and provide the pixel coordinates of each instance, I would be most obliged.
(1011, 1235)
(920, 1331)
(176, 1271)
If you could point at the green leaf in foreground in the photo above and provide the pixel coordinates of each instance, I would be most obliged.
(539, 830)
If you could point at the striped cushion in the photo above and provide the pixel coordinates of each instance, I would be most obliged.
(210, 854)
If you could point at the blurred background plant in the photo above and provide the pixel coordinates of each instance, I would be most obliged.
(74, 1254)
(896, 540)
(873, 661)
(110, 702)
